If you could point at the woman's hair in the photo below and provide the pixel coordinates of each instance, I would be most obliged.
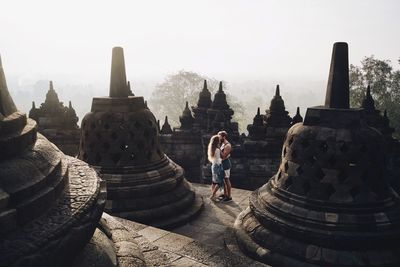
(212, 146)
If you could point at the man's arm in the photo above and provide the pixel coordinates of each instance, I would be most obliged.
(226, 151)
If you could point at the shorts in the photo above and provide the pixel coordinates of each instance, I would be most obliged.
(227, 165)
(217, 174)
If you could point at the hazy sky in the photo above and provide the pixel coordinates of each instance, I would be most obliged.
(226, 39)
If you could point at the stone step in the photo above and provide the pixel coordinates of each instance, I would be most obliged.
(42, 200)
(143, 190)
(30, 183)
(183, 217)
(149, 202)
(146, 177)
(166, 216)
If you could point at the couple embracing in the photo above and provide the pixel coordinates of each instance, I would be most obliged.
(219, 152)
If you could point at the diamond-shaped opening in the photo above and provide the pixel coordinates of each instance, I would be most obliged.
(116, 157)
(344, 147)
(132, 156)
(294, 154)
(306, 187)
(299, 170)
(286, 166)
(329, 190)
(114, 135)
(324, 147)
(319, 174)
(288, 182)
(123, 146)
(342, 176)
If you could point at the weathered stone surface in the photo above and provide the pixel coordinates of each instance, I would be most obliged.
(49, 203)
(329, 204)
(120, 138)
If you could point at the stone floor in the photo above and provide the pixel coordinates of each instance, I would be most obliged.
(200, 242)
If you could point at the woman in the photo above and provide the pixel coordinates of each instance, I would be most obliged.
(214, 156)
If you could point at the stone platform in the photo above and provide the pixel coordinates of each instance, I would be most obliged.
(201, 242)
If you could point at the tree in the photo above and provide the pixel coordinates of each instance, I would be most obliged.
(170, 96)
(384, 83)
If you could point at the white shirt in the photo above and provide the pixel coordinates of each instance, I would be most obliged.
(217, 157)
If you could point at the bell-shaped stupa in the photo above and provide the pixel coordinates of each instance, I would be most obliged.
(50, 203)
(120, 138)
(329, 204)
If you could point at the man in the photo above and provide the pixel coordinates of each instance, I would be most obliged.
(226, 149)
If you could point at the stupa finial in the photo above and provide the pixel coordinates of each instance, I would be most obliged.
(277, 90)
(7, 105)
(337, 92)
(118, 84)
(205, 85)
(220, 86)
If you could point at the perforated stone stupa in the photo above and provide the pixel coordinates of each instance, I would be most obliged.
(49, 203)
(57, 122)
(329, 204)
(120, 138)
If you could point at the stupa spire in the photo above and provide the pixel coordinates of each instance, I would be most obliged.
(220, 86)
(277, 90)
(118, 84)
(7, 105)
(337, 92)
(368, 102)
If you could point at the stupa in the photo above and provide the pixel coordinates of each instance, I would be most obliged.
(50, 203)
(166, 128)
(203, 104)
(375, 118)
(184, 146)
(329, 204)
(297, 118)
(120, 139)
(220, 116)
(57, 122)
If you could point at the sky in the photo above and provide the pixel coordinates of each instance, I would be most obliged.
(70, 41)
